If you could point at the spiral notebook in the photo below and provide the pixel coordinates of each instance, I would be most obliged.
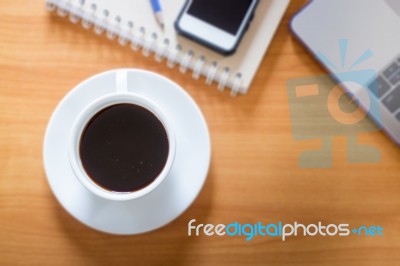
(132, 22)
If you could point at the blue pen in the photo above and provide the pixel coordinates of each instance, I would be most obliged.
(158, 12)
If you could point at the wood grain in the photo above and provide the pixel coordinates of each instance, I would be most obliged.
(254, 175)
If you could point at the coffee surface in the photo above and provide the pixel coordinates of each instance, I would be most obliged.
(124, 148)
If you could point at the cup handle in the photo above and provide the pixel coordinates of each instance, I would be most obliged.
(121, 80)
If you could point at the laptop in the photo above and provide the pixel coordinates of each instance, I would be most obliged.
(352, 36)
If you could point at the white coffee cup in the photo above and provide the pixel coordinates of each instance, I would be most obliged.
(120, 96)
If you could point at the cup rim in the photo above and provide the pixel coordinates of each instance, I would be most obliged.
(79, 126)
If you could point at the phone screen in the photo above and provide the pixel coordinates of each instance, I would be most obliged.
(224, 14)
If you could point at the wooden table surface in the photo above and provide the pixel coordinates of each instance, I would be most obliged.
(254, 175)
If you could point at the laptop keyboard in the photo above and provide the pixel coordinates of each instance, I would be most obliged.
(383, 87)
(389, 88)
(392, 101)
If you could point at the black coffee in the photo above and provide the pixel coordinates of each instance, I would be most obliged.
(124, 148)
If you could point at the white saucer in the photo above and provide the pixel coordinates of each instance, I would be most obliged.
(171, 198)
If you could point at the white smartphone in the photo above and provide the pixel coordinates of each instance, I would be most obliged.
(217, 24)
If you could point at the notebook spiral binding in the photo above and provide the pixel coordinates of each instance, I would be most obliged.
(136, 36)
